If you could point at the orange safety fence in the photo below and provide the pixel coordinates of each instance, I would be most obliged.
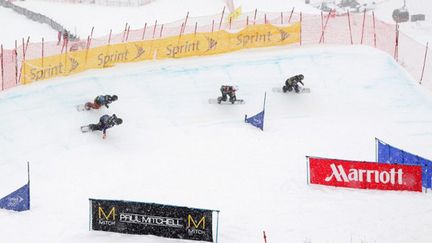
(155, 38)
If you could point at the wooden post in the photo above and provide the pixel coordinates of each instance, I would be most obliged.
(265, 18)
(145, 27)
(196, 26)
(255, 16)
(281, 18)
(220, 23)
(291, 14)
(230, 20)
(154, 29)
(349, 26)
(212, 25)
(424, 62)
(374, 29)
(363, 26)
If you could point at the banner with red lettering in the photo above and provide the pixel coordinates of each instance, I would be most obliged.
(364, 175)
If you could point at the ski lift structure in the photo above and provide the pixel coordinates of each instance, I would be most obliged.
(401, 15)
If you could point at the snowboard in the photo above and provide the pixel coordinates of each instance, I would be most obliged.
(215, 101)
(85, 129)
(302, 90)
(81, 107)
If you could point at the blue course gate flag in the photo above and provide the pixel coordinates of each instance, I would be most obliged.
(258, 119)
(392, 155)
(18, 200)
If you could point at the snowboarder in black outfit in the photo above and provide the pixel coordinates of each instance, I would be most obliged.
(228, 90)
(100, 101)
(292, 83)
(105, 122)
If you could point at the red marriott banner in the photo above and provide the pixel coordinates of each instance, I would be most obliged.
(365, 175)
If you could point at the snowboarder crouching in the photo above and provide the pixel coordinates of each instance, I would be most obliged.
(292, 83)
(100, 101)
(105, 122)
(226, 91)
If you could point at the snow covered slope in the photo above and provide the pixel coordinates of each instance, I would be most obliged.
(175, 148)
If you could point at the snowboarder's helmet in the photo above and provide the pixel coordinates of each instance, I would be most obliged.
(114, 97)
(301, 76)
(119, 121)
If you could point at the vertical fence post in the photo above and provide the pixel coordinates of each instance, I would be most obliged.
(16, 62)
(161, 30)
(291, 14)
(247, 20)
(281, 18)
(185, 22)
(109, 37)
(66, 52)
(124, 32)
(301, 28)
(222, 15)
(89, 38)
(322, 26)
(2, 67)
(230, 20)
(145, 27)
(127, 33)
(265, 18)
(396, 43)
(196, 26)
(24, 50)
(212, 25)
(424, 62)
(180, 32)
(42, 54)
(374, 29)
(325, 26)
(23, 62)
(349, 26)
(154, 29)
(255, 16)
(363, 26)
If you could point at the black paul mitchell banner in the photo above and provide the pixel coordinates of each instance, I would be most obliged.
(151, 219)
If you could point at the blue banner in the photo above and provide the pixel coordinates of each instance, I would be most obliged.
(18, 200)
(392, 155)
(257, 120)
